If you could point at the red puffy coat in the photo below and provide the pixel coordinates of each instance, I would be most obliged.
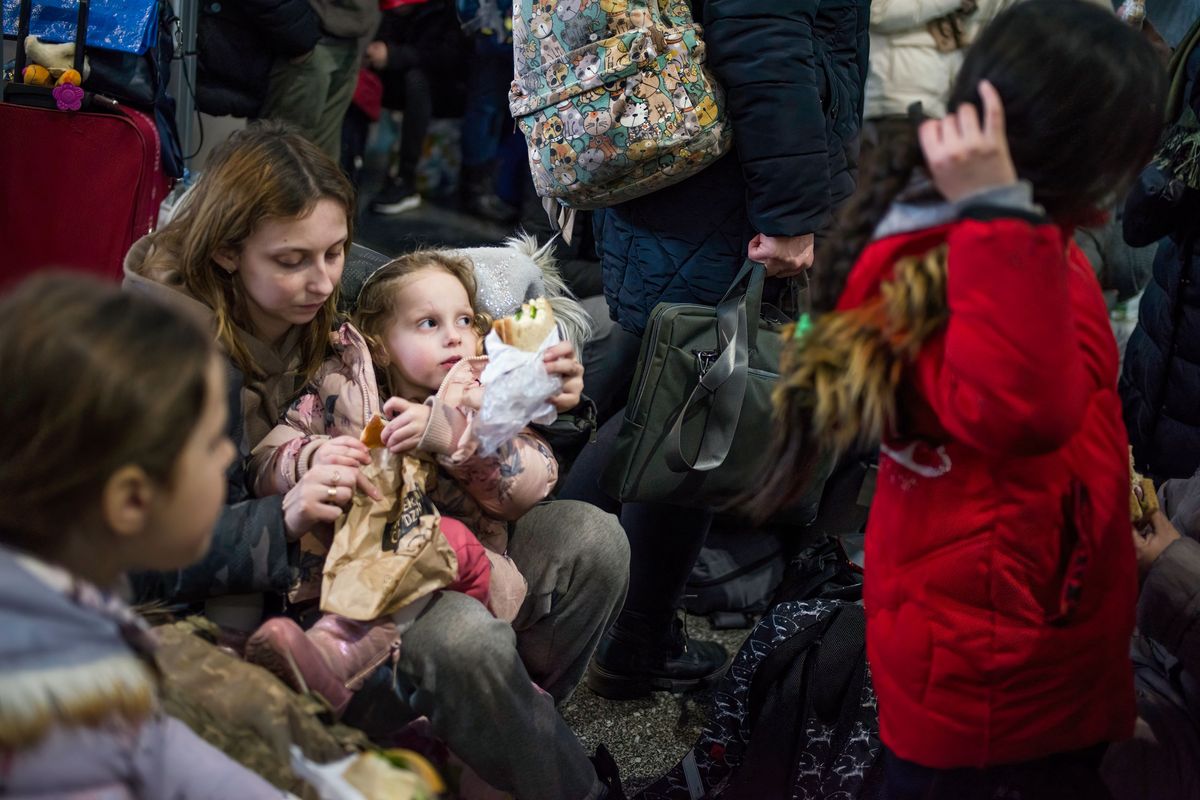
(1000, 582)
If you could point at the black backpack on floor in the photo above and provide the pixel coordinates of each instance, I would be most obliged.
(794, 717)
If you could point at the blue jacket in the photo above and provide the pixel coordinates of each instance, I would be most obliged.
(793, 72)
(1160, 382)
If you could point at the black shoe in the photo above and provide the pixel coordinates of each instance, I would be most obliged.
(396, 198)
(478, 195)
(636, 657)
(490, 207)
(609, 775)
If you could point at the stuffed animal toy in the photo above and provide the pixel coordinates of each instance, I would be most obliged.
(52, 64)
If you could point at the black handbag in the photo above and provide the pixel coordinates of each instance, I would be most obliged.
(699, 417)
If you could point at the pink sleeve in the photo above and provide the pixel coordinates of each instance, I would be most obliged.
(280, 460)
(511, 481)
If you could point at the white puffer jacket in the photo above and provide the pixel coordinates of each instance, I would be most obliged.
(906, 66)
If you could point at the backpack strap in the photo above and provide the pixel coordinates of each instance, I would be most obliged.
(776, 711)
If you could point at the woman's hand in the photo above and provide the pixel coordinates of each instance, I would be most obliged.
(321, 496)
(377, 55)
(964, 158)
(560, 360)
(407, 425)
(1150, 543)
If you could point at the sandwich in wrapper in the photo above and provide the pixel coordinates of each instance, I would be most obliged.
(528, 327)
(1143, 501)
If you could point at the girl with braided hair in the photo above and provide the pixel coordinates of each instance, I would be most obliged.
(967, 337)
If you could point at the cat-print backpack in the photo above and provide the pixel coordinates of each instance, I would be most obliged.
(613, 98)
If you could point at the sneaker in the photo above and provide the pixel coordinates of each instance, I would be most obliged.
(635, 658)
(609, 775)
(331, 659)
(396, 198)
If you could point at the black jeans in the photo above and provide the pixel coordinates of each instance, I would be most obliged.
(664, 540)
(1061, 776)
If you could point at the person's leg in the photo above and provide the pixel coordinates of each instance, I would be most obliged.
(576, 560)
(293, 84)
(342, 78)
(486, 108)
(460, 667)
(418, 112)
(646, 649)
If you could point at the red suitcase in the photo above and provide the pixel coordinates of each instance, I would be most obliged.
(76, 188)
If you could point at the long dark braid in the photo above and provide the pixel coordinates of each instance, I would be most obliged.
(885, 170)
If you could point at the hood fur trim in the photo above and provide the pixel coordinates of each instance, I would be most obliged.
(34, 702)
(845, 372)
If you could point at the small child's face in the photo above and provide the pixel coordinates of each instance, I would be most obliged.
(432, 331)
(181, 524)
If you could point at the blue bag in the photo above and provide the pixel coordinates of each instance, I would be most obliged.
(126, 26)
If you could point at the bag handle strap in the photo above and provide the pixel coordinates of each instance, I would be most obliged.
(725, 380)
(24, 14)
(757, 274)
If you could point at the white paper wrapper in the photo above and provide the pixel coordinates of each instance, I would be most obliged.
(516, 392)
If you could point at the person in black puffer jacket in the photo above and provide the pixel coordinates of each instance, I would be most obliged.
(793, 73)
(1160, 381)
(238, 41)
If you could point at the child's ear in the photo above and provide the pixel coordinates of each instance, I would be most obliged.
(127, 500)
(226, 259)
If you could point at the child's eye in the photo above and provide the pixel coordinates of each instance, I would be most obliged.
(426, 324)
(464, 322)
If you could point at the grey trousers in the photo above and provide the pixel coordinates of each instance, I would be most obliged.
(473, 675)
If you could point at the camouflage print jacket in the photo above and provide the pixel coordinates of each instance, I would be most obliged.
(485, 493)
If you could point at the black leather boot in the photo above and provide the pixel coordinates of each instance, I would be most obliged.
(479, 198)
(637, 657)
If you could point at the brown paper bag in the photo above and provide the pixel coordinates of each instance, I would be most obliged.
(389, 553)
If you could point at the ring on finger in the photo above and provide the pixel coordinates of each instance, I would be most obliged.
(337, 475)
(331, 492)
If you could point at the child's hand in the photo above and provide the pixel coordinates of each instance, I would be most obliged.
(964, 159)
(344, 451)
(408, 423)
(560, 360)
(1150, 544)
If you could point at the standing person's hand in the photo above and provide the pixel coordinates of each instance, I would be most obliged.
(377, 55)
(783, 256)
(1150, 543)
(963, 157)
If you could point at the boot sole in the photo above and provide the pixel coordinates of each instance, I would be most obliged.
(263, 655)
(616, 686)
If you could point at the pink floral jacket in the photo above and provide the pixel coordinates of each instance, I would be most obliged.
(483, 492)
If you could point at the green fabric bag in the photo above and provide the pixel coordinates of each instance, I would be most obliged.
(699, 418)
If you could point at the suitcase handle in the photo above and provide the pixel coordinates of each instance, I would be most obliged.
(81, 24)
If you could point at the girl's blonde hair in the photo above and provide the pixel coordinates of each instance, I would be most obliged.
(96, 379)
(267, 171)
(378, 300)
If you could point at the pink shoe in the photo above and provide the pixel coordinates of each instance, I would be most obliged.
(332, 659)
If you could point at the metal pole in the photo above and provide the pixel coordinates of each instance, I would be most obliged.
(183, 78)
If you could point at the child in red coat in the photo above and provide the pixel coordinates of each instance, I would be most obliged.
(971, 343)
